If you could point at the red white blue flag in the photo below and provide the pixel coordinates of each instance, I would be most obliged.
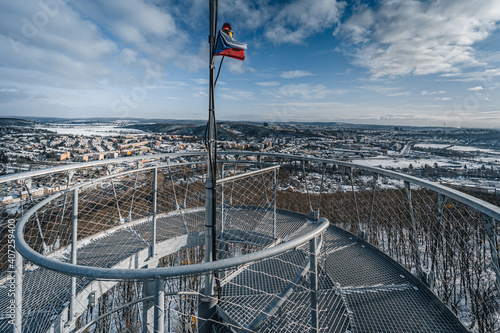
(228, 46)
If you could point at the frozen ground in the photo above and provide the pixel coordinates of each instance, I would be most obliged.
(92, 130)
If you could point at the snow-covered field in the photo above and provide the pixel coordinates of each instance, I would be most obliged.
(469, 148)
(456, 148)
(433, 145)
(92, 130)
(401, 162)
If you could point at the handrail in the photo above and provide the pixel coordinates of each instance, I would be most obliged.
(68, 167)
(247, 174)
(150, 273)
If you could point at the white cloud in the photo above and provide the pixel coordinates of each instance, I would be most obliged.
(285, 22)
(294, 74)
(402, 37)
(236, 95)
(387, 91)
(268, 84)
(304, 91)
(302, 18)
(89, 51)
(199, 94)
(201, 81)
(235, 66)
(138, 24)
(425, 92)
(475, 88)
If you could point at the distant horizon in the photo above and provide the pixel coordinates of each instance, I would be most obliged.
(109, 119)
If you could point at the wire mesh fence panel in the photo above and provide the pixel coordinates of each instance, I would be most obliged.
(408, 223)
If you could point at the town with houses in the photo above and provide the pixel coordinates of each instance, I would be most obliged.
(466, 159)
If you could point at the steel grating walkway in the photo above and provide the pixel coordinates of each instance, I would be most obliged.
(360, 289)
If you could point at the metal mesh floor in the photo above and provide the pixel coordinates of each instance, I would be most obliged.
(360, 290)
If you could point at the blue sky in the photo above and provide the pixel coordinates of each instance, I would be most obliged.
(397, 62)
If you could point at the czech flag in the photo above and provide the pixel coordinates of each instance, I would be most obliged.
(228, 46)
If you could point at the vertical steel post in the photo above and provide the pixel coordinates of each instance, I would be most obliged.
(313, 272)
(155, 197)
(420, 271)
(120, 221)
(159, 310)
(133, 193)
(321, 189)
(434, 246)
(148, 318)
(311, 212)
(370, 216)
(351, 176)
(222, 213)
(206, 307)
(275, 236)
(490, 231)
(18, 293)
(74, 240)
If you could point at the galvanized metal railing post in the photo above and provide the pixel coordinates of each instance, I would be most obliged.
(275, 186)
(351, 178)
(420, 271)
(370, 216)
(155, 198)
(222, 214)
(27, 185)
(120, 217)
(311, 212)
(434, 246)
(18, 294)
(74, 240)
(148, 319)
(321, 187)
(313, 277)
(133, 193)
(159, 307)
(489, 223)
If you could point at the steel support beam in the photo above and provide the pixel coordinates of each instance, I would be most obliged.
(18, 293)
(74, 245)
(313, 277)
(420, 271)
(121, 221)
(351, 176)
(275, 186)
(321, 187)
(430, 277)
(155, 198)
(490, 231)
(133, 193)
(222, 199)
(159, 310)
(366, 235)
(148, 318)
(311, 212)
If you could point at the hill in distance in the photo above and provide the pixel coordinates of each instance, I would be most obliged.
(16, 122)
